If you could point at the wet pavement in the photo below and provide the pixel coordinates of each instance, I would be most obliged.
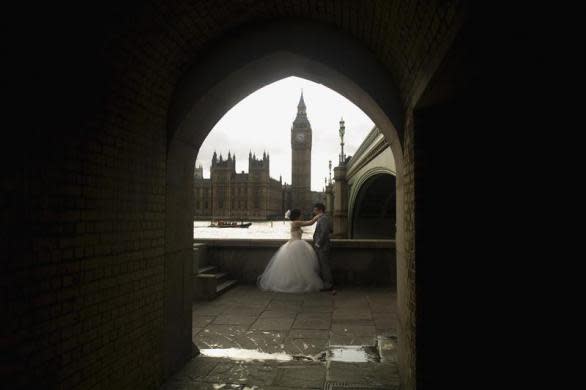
(251, 339)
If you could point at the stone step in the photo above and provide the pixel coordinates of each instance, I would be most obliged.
(214, 275)
(200, 258)
(220, 277)
(211, 282)
(225, 286)
(207, 269)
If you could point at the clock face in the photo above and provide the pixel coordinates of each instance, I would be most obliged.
(300, 137)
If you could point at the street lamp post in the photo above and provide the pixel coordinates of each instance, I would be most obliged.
(341, 132)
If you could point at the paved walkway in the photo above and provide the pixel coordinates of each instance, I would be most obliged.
(321, 334)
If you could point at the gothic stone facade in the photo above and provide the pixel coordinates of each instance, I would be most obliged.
(254, 195)
(230, 195)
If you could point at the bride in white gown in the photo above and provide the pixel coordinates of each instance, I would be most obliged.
(294, 268)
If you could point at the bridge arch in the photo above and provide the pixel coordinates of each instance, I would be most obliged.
(369, 188)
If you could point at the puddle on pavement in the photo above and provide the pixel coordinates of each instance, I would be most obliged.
(388, 343)
(353, 353)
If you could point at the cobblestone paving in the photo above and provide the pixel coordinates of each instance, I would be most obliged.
(304, 326)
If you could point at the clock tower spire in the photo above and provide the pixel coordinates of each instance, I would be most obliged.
(301, 159)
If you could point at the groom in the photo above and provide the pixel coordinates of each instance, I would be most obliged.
(321, 244)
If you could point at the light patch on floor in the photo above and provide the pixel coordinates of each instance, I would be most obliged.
(244, 354)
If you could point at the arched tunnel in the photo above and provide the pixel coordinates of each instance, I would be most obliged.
(113, 100)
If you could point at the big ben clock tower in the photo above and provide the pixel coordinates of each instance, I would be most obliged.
(301, 160)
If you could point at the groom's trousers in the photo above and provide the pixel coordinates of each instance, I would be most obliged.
(323, 255)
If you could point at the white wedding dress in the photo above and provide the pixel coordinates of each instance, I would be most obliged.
(293, 269)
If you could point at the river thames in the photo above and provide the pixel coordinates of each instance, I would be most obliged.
(261, 229)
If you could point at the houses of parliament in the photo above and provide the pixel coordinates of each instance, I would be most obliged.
(255, 195)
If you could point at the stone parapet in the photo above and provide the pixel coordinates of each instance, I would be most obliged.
(353, 262)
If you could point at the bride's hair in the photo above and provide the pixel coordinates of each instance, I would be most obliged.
(295, 214)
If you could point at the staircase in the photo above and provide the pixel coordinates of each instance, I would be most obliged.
(209, 281)
(212, 283)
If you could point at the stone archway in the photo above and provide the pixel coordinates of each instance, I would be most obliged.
(229, 73)
(99, 182)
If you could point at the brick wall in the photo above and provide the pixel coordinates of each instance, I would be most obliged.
(407, 299)
(85, 298)
(94, 285)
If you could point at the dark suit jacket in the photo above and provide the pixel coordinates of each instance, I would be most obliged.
(321, 235)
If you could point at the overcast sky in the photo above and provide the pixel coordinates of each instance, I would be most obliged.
(262, 122)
